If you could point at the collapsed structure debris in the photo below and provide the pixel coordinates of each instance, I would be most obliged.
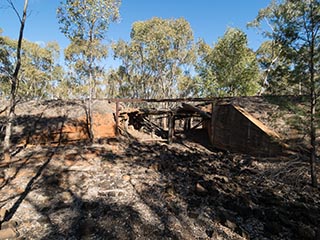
(124, 188)
(229, 127)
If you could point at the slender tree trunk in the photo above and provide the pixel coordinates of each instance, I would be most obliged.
(8, 132)
(91, 84)
(313, 152)
(313, 102)
(14, 86)
(90, 120)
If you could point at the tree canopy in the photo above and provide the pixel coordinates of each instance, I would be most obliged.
(85, 23)
(157, 58)
(230, 68)
(295, 29)
(39, 68)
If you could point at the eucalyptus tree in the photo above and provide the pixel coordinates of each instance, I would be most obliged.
(85, 24)
(207, 84)
(275, 70)
(6, 64)
(229, 68)
(14, 82)
(117, 84)
(295, 28)
(56, 72)
(38, 71)
(157, 58)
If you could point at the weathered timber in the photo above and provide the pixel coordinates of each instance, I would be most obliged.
(171, 121)
(189, 107)
(233, 129)
(152, 127)
(155, 111)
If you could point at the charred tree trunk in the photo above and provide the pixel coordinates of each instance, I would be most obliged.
(14, 85)
(313, 102)
(89, 106)
(313, 153)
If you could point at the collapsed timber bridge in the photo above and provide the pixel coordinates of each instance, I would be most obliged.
(226, 124)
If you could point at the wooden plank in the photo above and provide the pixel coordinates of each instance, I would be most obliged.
(171, 121)
(187, 124)
(212, 124)
(153, 100)
(195, 109)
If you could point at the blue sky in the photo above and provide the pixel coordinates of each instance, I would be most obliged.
(209, 19)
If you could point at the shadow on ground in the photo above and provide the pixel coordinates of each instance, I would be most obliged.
(125, 189)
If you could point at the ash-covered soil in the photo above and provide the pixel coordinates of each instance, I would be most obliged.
(136, 188)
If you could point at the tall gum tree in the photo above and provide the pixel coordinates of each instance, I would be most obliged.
(295, 28)
(275, 70)
(157, 57)
(14, 82)
(230, 68)
(39, 70)
(6, 65)
(85, 24)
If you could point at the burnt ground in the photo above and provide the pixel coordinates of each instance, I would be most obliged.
(139, 188)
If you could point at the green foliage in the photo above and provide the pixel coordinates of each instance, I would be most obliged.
(85, 19)
(276, 70)
(294, 106)
(39, 68)
(84, 64)
(6, 64)
(296, 41)
(295, 28)
(294, 31)
(230, 68)
(85, 23)
(157, 59)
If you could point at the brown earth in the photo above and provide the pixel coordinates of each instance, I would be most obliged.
(138, 187)
(65, 121)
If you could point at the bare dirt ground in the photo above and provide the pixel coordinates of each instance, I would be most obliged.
(129, 189)
(139, 187)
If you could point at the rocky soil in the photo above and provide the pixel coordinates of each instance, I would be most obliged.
(139, 188)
